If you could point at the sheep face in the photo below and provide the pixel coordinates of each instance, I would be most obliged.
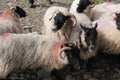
(118, 20)
(83, 4)
(71, 55)
(89, 38)
(59, 21)
(20, 12)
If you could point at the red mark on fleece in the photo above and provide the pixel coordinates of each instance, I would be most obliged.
(6, 14)
(5, 35)
(58, 46)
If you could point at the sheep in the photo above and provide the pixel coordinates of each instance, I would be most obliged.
(103, 10)
(108, 42)
(85, 38)
(78, 9)
(88, 46)
(59, 22)
(21, 51)
(9, 20)
(81, 6)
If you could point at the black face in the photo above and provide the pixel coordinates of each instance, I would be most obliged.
(90, 37)
(20, 12)
(59, 21)
(73, 56)
(83, 4)
(118, 20)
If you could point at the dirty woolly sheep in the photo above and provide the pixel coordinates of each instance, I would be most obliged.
(21, 51)
(9, 20)
(59, 22)
(108, 36)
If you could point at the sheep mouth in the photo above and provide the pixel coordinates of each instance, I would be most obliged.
(54, 30)
(91, 50)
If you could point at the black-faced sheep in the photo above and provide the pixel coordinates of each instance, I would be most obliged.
(21, 51)
(59, 22)
(9, 20)
(85, 38)
(81, 6)
(77, 9)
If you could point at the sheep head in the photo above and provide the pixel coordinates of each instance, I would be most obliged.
(83, 4)
(18, 11)
(118, 20)
(60, 20)
(68, 54)
(89, 37)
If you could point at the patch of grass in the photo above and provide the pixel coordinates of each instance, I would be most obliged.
(96, 1)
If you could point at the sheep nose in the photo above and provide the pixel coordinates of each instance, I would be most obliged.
(118, 27)
(92, 47)
(54, 29)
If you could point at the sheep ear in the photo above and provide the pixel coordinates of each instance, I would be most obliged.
(82, 26)
(96, 25)
(72, 17)
(117, 14)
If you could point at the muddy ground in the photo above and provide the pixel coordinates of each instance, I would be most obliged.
(103, 67)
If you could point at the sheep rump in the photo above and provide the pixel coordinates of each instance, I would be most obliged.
(108, 42)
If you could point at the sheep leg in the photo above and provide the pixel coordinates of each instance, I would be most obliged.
(4, 71)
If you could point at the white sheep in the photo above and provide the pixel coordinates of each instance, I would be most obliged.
(9, 20)
(103, 10)
(59, 22)
(21, 51)
(108, 36)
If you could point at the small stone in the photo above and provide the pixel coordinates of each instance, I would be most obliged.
(42, 74)
(92, 79)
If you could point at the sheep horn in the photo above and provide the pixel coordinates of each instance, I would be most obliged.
(63, 49)
(73, 18)
(114, 13)
(92, 4)
(56, 11)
